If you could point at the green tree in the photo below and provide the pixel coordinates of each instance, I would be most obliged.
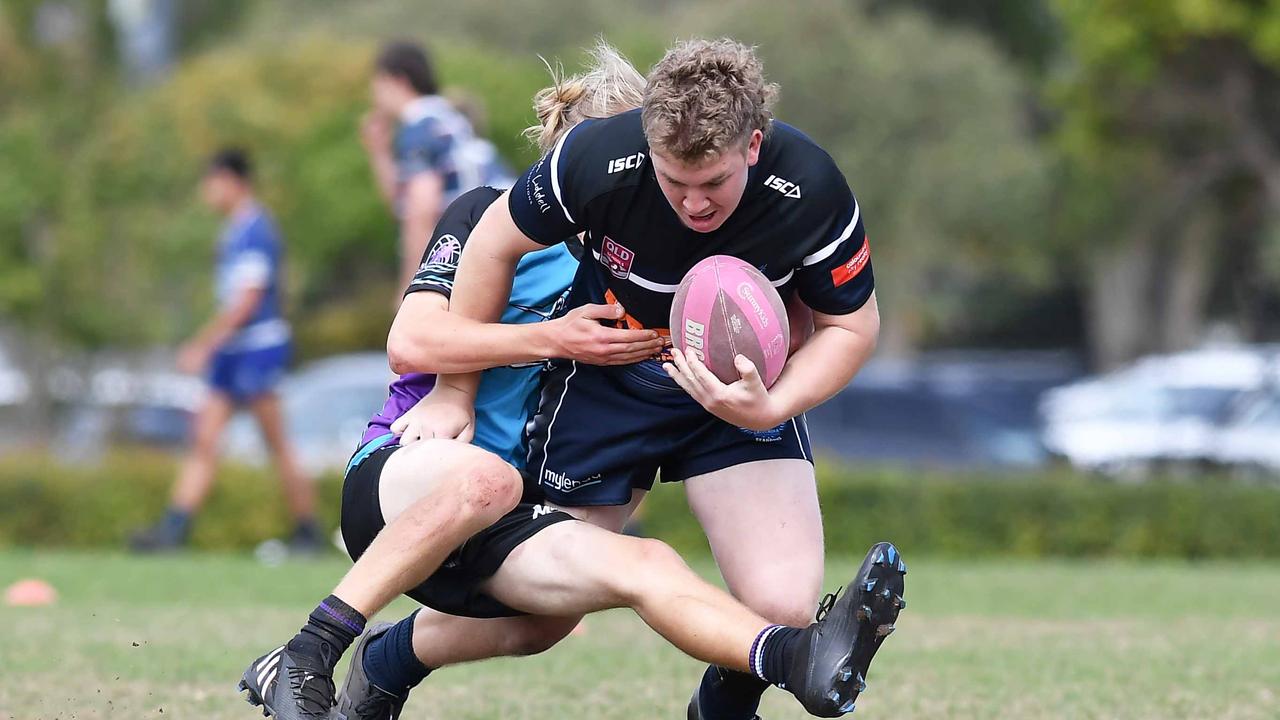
(1170, 112)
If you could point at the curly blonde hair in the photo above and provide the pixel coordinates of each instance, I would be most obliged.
(704, 97)
(612, 85)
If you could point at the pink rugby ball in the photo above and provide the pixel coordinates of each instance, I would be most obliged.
(725, 307)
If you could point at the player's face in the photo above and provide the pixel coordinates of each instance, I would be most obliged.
(705, 194)
(217, 190)
(385, 92)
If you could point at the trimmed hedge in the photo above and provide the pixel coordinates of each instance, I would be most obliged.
(1036, 515)
(46, 503)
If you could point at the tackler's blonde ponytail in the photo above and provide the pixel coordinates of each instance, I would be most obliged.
(612, 85)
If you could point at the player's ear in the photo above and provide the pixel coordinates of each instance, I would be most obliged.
(753, 147)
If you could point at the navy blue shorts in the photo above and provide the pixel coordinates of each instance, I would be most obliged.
(245, 374)
(602, 431)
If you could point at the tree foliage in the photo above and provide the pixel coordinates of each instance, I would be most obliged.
(928, 126)
(1168, 134)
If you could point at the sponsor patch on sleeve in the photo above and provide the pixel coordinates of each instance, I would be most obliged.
(851, 269)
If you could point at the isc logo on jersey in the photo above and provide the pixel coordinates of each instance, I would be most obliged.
(629, 162)
(786, 187)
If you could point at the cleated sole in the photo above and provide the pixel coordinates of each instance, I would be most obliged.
(872, 605)
(252, 697)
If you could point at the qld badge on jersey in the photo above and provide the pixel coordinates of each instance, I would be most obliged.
(617, 258)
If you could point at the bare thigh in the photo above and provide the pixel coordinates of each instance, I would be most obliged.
(765, 529)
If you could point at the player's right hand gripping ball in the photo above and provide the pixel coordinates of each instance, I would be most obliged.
(725, 307)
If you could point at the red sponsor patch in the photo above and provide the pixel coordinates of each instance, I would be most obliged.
(851, 269)
(617, 258)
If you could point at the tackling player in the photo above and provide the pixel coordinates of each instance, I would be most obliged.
(702, 169)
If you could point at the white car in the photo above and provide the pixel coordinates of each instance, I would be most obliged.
(1251, 441)
(1164, 410)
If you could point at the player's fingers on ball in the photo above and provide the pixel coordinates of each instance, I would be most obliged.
(681, 363)
(746, 369)
(679, 359)
(678, 376)
(702, 374)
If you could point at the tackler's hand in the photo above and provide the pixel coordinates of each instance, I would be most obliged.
(443, 413)
(581, 335)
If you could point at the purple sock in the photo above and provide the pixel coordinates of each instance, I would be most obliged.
(329, 631)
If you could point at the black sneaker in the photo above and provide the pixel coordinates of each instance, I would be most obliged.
(831, 668)
(361, 699)
(306, 542)
(159, 538)
(289, 686)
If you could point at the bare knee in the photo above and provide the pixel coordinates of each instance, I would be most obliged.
(489, 487)
(776, 605)
(650, 563)
(538, 635)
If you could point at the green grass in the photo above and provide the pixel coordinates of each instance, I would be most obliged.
(131, 638)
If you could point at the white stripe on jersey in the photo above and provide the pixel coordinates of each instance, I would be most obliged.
(432, 281)
(555, 177)
(646, 284)
(826, 252)
(664, 288)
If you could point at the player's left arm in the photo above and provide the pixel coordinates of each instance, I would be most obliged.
(423, 205)
(825, 364)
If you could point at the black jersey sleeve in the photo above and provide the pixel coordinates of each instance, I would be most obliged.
(548, 202)
(440, 260)
(835, 276)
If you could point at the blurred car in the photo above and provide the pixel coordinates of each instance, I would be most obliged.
(1161, 412)
(118, 398)
(14, 387)
(951, 410)
(1250, 443)
(327, 404)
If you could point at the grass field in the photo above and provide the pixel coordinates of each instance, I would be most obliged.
(168, 638)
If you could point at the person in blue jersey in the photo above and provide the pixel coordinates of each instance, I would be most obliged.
(244, 351)
(450, 525)
(424, 153)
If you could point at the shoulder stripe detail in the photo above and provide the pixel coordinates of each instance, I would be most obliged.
(826, 252)
(782, 280)
(555, 176)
